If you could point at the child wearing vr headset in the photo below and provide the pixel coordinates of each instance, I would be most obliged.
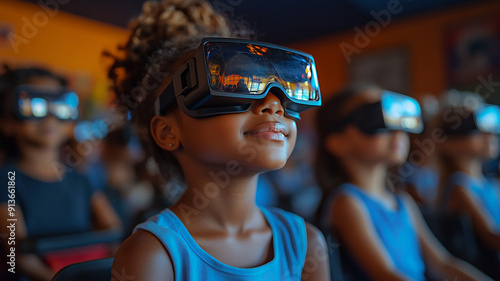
(362, 132)
(38, 113)
(217, 112)
(472, 129)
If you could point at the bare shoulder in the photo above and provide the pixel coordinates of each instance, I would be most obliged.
(143, 257)
(314, 236)
(317, 261)
(459, 195)
(347, 209)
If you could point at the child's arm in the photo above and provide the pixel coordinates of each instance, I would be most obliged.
(142, 257)
(461, 201)
(354, 228)
(317, 266)
(436, 257)
(104, 215)
(413, 191)
(29, 264)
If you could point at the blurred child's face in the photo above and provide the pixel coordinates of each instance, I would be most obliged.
(260, 139)
(48, 132)
(390, 147)
(480, 145)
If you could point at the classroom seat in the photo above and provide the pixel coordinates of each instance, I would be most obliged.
(95, 270)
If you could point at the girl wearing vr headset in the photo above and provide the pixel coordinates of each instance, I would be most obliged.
(216, 115)
(472, 129)
(37, 115)
(362, 132)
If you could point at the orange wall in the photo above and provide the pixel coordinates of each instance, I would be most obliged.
(423, 36)
(67, 43)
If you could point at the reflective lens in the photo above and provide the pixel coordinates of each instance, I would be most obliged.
(39, 107)
(401, 112)
(25, 107)
(488, 119)
(249, 69)
(36, 103)
(66, 107)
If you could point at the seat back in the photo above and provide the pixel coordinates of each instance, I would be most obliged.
(96, 270)
(455, 233)
(62, 250)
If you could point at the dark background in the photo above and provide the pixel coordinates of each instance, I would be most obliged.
(276, 21)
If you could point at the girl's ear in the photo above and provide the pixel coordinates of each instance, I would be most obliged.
(337, 144)
(164, 132)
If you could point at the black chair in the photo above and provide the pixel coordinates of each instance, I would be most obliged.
(42, 245)
(54, 250)
(343, 267)
(455, 233)
(488, 260)
(96, 270)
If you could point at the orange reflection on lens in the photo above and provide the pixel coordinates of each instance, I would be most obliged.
(257, 50)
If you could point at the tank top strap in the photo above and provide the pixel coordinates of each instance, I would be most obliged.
(165, 229)
(290, 230)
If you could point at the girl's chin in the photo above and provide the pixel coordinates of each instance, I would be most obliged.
(267, 166)
(397, 160)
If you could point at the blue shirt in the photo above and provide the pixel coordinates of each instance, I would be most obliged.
(51, 208)
(426, 181)
(191, 262)
(484, 191)
(394, 228)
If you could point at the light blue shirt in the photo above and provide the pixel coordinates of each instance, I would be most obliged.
(394, 228)
(191, 262)
(485, 192)
(426, 181)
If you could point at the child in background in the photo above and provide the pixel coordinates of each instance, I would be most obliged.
(472, 129)
(115, 173)
(383, 232)
(38, 114)
(216, 115)
(420, 172)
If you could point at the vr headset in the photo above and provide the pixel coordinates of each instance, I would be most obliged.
(33, 103)
(227, 75)
(485, 119)
(394, 112)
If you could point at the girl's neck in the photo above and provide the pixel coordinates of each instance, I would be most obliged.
(219, 199)
(369, 177)
(38, 162)
(471, 166)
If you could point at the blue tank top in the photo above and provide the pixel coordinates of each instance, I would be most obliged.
(191, 262)
(394, 228)
(426, 181)
(485, 192)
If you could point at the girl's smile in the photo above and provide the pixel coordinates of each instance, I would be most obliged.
(271, 130)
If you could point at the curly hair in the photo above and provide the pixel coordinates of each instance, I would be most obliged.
(163, 37)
